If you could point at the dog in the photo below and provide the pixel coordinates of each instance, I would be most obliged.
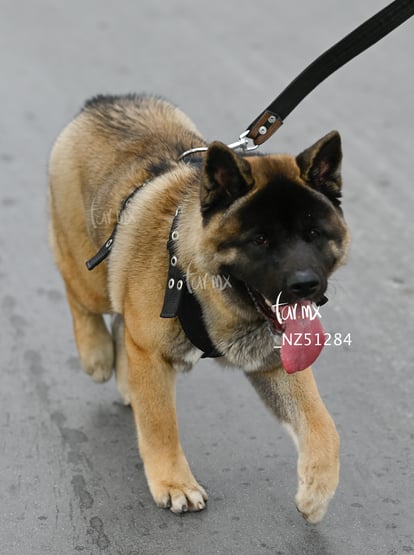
(249, 236)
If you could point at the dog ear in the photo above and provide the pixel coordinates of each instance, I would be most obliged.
(226, 177)
(320, 166)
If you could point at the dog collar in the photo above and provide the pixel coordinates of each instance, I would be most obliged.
(179, 302)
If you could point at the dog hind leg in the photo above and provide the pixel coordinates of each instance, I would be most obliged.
(295, 400)
(93, 340)
(121, 359)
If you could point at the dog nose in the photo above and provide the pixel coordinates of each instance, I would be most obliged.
(304, 284)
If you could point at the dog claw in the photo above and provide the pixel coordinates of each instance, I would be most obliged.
(165, 503)
(180, 502)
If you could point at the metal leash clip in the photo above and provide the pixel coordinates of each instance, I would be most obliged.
(242, 143)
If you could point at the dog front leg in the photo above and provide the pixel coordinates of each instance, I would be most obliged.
(295, 400)
(151, 383)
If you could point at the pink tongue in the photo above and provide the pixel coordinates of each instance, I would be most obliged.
(303, 327)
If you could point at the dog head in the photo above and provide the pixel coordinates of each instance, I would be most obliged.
(274, 223)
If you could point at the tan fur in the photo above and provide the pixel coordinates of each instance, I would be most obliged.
(300, 408)
(97, 161)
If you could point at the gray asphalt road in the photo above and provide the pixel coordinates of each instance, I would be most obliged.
(71, 479)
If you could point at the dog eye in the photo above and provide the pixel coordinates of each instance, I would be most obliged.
(261, 240)
(313, 234)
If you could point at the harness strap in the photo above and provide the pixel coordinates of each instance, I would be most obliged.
(179, 302)
(342, 52)
(175, 280)
(102, 253)
(107, 246)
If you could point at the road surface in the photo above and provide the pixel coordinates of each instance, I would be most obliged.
(71, 479)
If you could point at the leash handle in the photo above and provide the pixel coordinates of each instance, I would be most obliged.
(361, 38)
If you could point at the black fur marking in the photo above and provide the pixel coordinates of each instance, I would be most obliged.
(103, 100)
(226, 177)
(327, 189)
(320, 166)
(156, 168)
(284, 209)
(298, 224)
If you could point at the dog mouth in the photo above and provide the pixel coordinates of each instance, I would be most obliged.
(296, 328)
(267, 310)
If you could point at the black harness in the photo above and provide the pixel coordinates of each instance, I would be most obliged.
(178, 300)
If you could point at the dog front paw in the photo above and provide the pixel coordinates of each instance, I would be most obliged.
(317, 484)
(172, 483)
(177, 490)
(180, 498)
(312, 501)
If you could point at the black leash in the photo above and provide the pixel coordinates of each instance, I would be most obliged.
(364, 36)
